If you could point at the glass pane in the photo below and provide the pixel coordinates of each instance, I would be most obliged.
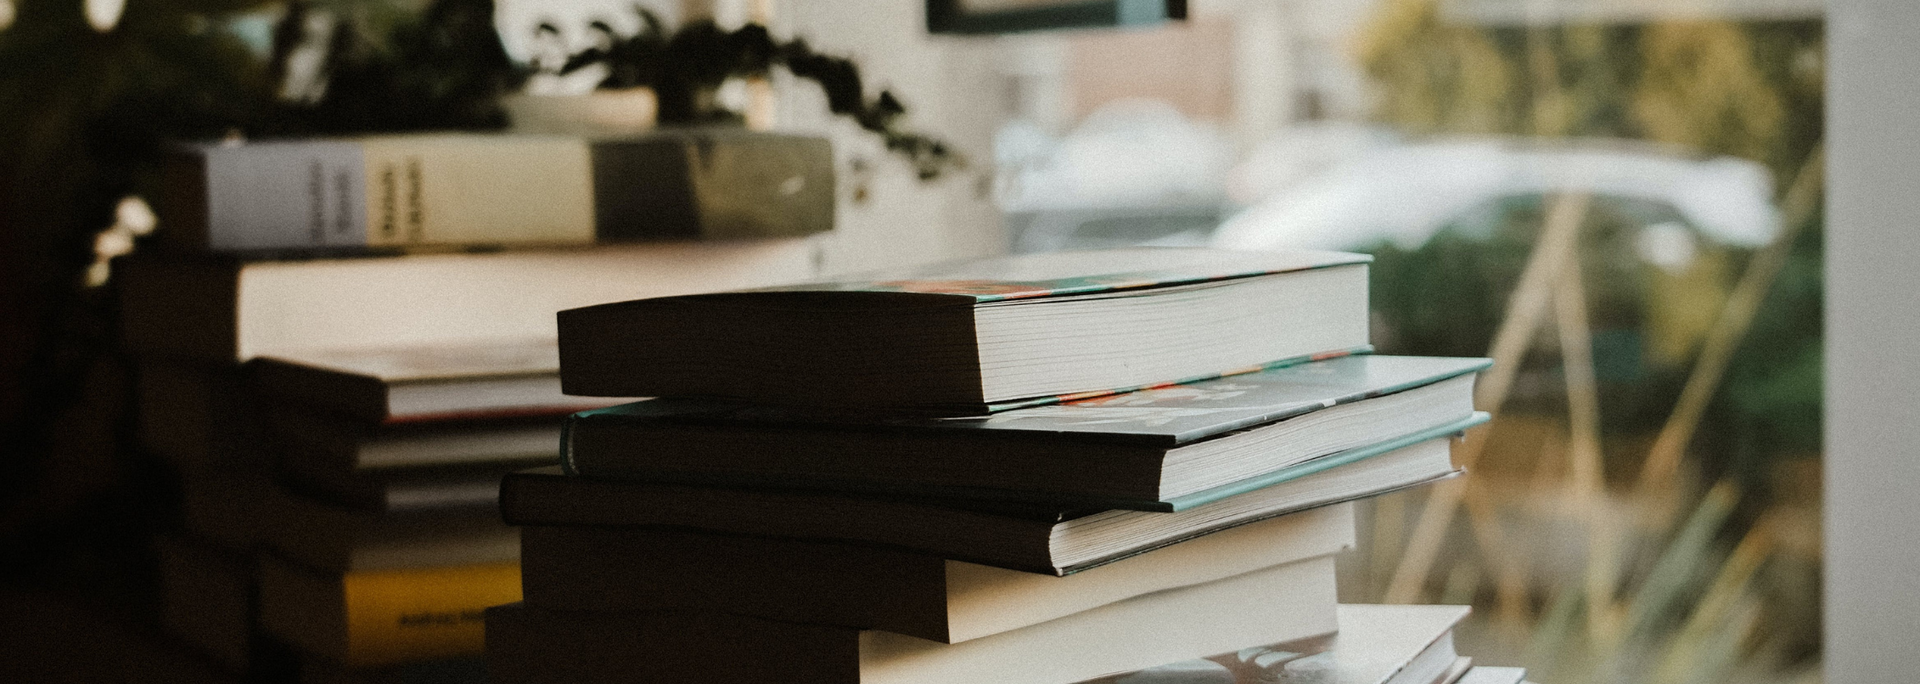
(1617, 200)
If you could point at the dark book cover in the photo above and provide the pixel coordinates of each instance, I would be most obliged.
(1168, 416)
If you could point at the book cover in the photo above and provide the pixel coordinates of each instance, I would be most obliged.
(594, 568)
(223, 309)
(1281, 603)
(1168, 415)
(975, 336)
(1054, 539)
(395, 364)
(435, 383)
(1146, 449)
(421, 614)
(379, 618)
(1061, 274)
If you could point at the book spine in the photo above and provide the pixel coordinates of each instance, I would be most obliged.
(277, 196)
(566, 440)
(477, 189)
(412, 615)
(384, 192)
(452, 190)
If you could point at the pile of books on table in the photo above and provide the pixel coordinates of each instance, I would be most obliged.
(1119, 466)
(340, 396)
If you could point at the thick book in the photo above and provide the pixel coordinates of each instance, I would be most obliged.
(595, 568)
(467, 190)
(373, 618)
(1155, 449)
(529, 645)
(1375, 645)
(423, 383)
(224, 309)
(1040, 538)
(978, 335)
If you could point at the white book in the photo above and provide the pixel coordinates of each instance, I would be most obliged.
(226, 309)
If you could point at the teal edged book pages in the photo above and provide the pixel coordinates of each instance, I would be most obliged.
(1077, 273)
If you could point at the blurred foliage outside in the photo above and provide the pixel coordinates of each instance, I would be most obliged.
(1680, 580)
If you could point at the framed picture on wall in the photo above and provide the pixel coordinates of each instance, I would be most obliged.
(1015, 16)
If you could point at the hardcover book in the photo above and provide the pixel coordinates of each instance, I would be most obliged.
(615, 569)
(979, 335)
(373, 618)
(528, 645)
(1048, 539)
(223, 309)
(1153, 449)
(402, 384)
(464, 190)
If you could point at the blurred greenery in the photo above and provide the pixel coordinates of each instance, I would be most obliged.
(1748, 89)
(1677, 583)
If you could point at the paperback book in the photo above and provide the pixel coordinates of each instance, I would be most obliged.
(528, 645)
(976, 336)
(1164, 449)
(920, 595)
(1049, 539)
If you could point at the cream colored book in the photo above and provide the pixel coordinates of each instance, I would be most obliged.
(531, 645)
(447, 190)
(224, 310)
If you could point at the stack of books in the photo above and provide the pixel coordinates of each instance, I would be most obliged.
(340, 403)
(1047, 469)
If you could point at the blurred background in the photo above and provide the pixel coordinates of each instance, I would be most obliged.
(1618, 200)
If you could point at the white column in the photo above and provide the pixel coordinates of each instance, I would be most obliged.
(1873, 342)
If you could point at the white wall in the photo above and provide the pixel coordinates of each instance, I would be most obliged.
(1873, 342)
(951, 89)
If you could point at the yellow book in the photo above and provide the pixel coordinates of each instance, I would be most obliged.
(384, 617)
